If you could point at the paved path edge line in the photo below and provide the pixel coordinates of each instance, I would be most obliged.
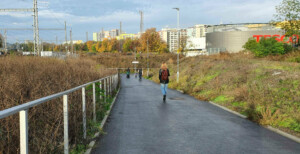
(280, 132)
(229, 110)
(92, 143)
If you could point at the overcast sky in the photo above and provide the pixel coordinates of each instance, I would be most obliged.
(91, 15)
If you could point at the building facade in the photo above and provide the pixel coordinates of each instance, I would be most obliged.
(231, 38)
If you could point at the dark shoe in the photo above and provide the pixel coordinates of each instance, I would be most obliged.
(164, 98)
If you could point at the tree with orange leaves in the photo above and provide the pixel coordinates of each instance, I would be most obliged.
(155, 44)
(90, 45)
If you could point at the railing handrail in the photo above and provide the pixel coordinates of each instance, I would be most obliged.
(25, 106)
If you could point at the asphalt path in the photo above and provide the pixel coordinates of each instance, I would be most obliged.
(141, 123)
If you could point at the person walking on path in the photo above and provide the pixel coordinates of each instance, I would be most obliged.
(140, 73)
(164, 79)
(128, 73)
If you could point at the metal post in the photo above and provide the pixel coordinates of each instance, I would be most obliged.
(104, 88)
(66, 47)
(94, 102)
(23, 131)
(71, 42)
(5, 40)
(66, 125)
(109, 86)
(147, 59)
(87, 36)
(83, 113)
(36, 28)
(178, 45)
(100, 86)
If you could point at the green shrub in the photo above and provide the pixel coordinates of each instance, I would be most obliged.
(251, 44)
(267, 46)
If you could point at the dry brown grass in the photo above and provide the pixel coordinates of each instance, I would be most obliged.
(25, 79)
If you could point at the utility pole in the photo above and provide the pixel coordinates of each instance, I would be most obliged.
(120, 27)
(5, 41)
(35, 24)
(87, 36)
(71, 41)
(56, 40)
(42, 46)
(103, 35)
(36, 28)
(142, 22)
(147, 59)
(66, 40)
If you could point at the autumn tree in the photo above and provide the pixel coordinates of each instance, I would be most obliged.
(127, 46)
(98, 46)
(57, 48)
(83, 47)
(90, 45)
(288, 16)
(113, 45)
(155, 44)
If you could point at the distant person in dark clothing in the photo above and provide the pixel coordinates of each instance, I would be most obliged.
(164, 74)
(140, 73)
(128, 72)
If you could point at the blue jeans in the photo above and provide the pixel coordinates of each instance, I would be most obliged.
(164, 88)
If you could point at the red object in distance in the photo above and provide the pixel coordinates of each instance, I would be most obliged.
(279, 38)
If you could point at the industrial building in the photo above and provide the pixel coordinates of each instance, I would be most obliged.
(232, 37)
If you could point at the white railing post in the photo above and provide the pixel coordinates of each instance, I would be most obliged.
(83, 113)
(23, 131)
(100, 86)
(66, 125)
(104, 88)
(110, 87)
(94, 102)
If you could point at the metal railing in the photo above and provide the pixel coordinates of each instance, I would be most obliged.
(110, 84)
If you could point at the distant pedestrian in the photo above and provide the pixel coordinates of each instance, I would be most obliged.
(140, 73)
(128, 73)
(164, 79)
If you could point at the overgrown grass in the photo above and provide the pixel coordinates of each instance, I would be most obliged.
(25, 79)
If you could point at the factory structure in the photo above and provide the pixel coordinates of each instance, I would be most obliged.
(210, 39)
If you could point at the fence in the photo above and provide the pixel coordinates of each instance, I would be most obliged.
(109, 83)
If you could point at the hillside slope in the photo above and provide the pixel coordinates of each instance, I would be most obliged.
(268, 92)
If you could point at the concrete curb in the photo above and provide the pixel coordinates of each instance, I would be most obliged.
(226, 109)
(292, 137)
(282, 133)
(92, 143)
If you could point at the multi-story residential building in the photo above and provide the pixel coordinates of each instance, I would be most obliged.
(195, 37)
(170, 36)
(114, 33)
(200, 30)
(95, 36)
(100, 36)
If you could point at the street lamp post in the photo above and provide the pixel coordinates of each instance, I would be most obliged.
(147, 59)
(178, 35)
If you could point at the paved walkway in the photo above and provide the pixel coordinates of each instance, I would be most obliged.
(141, 123)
